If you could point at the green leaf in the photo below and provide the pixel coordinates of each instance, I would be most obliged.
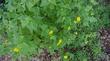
(31, 3)
(44, 3)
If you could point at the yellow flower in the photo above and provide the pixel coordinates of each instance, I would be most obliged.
(65, 57)
(50, 33)
(69, 28)
(16, 50)
(78, 19)
(59, 42)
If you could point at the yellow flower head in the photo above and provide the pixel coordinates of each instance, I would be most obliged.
(50, 33)
(69, 28)
(65, 57)
(16, 50)
(78, 19)
(59, 42)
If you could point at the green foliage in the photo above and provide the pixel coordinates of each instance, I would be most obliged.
(31, 25)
